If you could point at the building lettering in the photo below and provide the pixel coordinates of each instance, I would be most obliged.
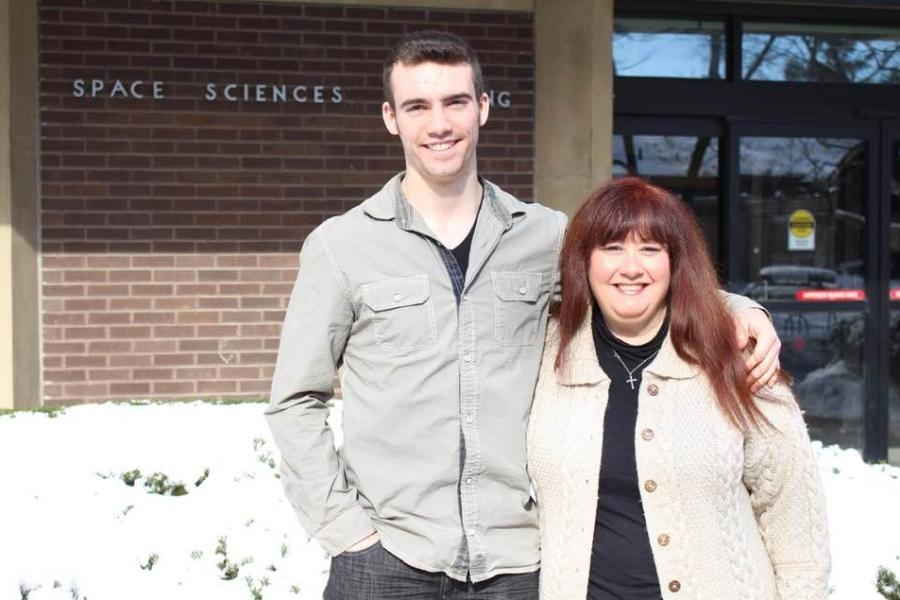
(235, 92)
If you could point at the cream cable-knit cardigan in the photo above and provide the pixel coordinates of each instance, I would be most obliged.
(729, 515)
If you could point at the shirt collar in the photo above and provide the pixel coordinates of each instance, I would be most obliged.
(390, 204)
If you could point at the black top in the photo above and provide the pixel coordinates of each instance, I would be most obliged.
(622, 566)
(461, 252)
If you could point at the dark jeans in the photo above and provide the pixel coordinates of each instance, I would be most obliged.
(376, 574)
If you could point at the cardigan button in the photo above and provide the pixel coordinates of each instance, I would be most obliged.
(653, 389)
(650, 485)
(674, 585)
(663, 539)
(647, 434)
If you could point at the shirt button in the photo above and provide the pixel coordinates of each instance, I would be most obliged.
(652, 389)
(663, 539)
(467, 358)
(647, 434)
(468, 481)
(674, 585)
(397, 297)
(522, 290)
(650, 485)
(469, 418)
(471, 532)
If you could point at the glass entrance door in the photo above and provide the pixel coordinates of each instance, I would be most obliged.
(801, 207)
(892, 148)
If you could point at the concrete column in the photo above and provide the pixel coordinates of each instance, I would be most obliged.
(573, 99)
(19, 289)
(6, 316)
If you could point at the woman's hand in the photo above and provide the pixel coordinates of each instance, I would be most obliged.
(762, 364)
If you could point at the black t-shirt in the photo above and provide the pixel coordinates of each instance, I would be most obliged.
(461, 252)
(622, 566)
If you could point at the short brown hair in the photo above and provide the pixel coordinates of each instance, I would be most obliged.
(431, 45)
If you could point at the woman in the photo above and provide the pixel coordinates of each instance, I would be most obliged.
(705, 490)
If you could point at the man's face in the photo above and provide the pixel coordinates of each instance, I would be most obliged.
(437, 117)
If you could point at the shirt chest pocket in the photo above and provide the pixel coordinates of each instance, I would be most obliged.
(402, 313)
(517, 307)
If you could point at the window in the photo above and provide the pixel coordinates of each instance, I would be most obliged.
(669, 48)
(820, 53)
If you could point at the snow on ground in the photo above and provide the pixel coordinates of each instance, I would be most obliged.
(72, 528)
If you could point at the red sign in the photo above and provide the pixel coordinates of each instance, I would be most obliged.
(830, 295)
(895, 294)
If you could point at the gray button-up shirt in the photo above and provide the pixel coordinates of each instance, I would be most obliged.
(436, 396)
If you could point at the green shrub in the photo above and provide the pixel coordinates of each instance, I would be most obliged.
(887, 584)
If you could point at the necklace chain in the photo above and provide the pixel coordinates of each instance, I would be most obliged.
(630, 381)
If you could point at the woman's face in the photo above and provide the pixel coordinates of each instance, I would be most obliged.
(630, 281)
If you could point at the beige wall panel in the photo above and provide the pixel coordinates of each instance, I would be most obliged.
(20, 271)
(573, 99)
(6, 315)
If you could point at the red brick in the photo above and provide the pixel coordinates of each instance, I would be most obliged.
(130, 389)
(218, 302)
(262, 386)
(131, 333)
(174, 331)
(177, 303)
(111, 347)
(85, 391)
(63, 318)
(198, 317)
(70, 348)
(83, 333)
(108, 374)
(170, 360)
(130, 303)
(62, 375)
(109, 318)
(130, 360)
(152, 374)
(195, 345)
(216, 387)
(165, 388)
(196, 373)
(154, 318)
(92, 360)
(217, 331)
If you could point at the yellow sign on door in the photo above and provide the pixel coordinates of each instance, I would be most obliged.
(801, 230)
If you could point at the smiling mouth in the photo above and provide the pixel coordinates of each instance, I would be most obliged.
(441, 146)
(630, 289)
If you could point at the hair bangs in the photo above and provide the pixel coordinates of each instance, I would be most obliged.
(640, 213)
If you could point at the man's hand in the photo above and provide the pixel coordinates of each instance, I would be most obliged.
(367, 542)
(762, 365)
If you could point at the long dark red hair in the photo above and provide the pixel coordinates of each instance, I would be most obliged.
(700, 326)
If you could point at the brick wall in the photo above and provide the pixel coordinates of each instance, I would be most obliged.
(171, 226)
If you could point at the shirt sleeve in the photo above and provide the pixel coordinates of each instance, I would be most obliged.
(316, 327)
(788, 501)
(556, 290)
(736, 302)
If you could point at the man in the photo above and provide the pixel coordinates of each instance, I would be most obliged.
(432, 296)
